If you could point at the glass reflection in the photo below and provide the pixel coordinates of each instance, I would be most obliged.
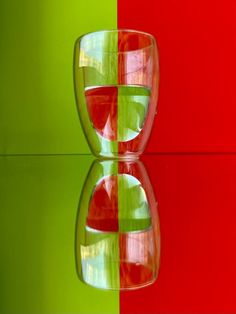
(117, 229)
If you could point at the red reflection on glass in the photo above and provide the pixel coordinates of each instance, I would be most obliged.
(137, 265)
(103, 207)
(137, 68)
(102, 108)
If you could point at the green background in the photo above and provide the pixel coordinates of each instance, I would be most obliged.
(39, 194)
(38, 114)
(39, 202)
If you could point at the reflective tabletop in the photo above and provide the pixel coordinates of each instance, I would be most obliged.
(80, 236)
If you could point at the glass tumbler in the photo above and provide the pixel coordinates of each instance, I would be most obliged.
(116, 79)
(117, 238)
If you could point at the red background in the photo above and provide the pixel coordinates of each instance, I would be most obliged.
(197, 46)
(196, 196)
(196, 193)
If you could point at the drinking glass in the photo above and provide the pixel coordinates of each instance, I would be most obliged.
(117, 242)
(116, 78)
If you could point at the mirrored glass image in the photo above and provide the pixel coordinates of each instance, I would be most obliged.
(117, 242)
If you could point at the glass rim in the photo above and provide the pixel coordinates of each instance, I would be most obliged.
(149, 35)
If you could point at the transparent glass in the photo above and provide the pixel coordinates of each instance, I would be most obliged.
(116, 79)
(117, 243)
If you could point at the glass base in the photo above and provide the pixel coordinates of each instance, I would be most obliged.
(114, 156)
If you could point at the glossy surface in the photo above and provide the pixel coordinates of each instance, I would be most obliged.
(117, 243)
(39, 203)
(197, 202)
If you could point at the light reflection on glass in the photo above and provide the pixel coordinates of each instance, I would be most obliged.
(117, 230)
